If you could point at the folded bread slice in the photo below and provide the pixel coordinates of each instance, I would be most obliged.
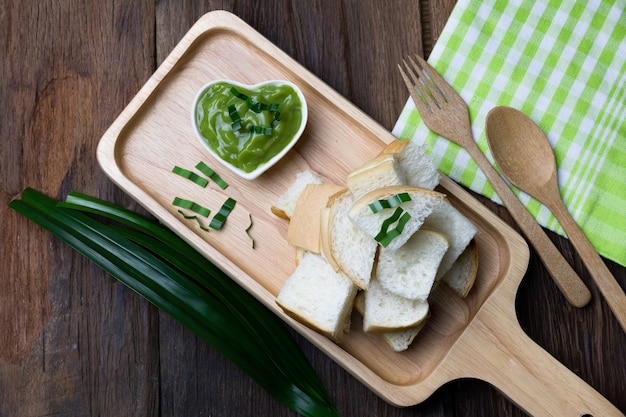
(421, 204)
(304, 227)
(346, 246)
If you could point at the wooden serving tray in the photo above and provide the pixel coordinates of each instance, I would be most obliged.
(477, 337)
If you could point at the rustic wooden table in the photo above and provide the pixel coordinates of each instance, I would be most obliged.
(77, 343)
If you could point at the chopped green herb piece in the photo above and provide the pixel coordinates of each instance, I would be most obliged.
(258, 106)
(234, 116)
(248, 231)
(220, 217)
(391, 202)
(385, 236)
(194, 217)
(206, 170)
(190, 205)
(267, 131)
(237, 94)
(185, 173)
(252, 106)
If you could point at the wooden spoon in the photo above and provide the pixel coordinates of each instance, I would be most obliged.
(525, 157)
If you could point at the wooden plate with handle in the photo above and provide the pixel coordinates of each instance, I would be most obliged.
(478, 337)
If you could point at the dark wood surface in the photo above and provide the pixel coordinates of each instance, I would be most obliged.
(74, 342)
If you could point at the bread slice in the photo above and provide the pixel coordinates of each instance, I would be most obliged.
(414, 163)
(421, 205)
(460, 230)
(286, 202)
(381, 171)
(346, 246)
(319, 297)
(401, 340)
(385, 311)
(304, 226)
(398, 340)
(410, 270)
(462, 275)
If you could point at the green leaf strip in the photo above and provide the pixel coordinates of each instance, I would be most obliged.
(209, 172)
(235, 118)
(391, 202)
(248, 231)
(220, 217)
(260, 130)
(194, 217)
(190, 205)
(190, 175)
(400, 218)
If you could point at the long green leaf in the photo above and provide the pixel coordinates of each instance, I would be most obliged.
(258, 366)
(207, 301)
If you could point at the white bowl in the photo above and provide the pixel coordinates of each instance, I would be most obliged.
(264, 166)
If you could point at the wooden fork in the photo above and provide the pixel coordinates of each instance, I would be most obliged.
(444, 112)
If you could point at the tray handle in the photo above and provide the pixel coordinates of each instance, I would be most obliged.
(495, 349)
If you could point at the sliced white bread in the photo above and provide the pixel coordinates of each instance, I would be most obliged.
(386, 311)
(346, 246)
(416, 165)
(398, 340)
(460, 230)
(286, 202)
(304, 226)
(410, 270)
(401, 340)
(381, 171)
(420, 206)
(319, 297)
(462, 275)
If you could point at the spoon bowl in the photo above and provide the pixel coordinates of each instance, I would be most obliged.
(524, 155)
(520, 148)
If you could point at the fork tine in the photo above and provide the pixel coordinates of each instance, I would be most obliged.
(442, 109)
(417, 96)
(427, 85)
(441, 85)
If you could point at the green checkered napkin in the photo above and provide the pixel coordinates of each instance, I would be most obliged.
(563, 63)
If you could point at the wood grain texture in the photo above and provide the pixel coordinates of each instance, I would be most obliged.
(76, 343)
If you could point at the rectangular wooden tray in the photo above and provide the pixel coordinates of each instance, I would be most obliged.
(154, 133)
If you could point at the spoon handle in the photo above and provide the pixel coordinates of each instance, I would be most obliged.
(570, 284)
(605, 281)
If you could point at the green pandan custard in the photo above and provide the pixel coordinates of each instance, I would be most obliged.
(248, 126)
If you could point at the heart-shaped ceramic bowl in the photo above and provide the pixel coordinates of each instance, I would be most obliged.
(289, 142)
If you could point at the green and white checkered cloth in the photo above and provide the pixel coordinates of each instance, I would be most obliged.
(563, 63)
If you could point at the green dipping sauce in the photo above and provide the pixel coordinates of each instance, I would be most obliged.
(269, 118)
